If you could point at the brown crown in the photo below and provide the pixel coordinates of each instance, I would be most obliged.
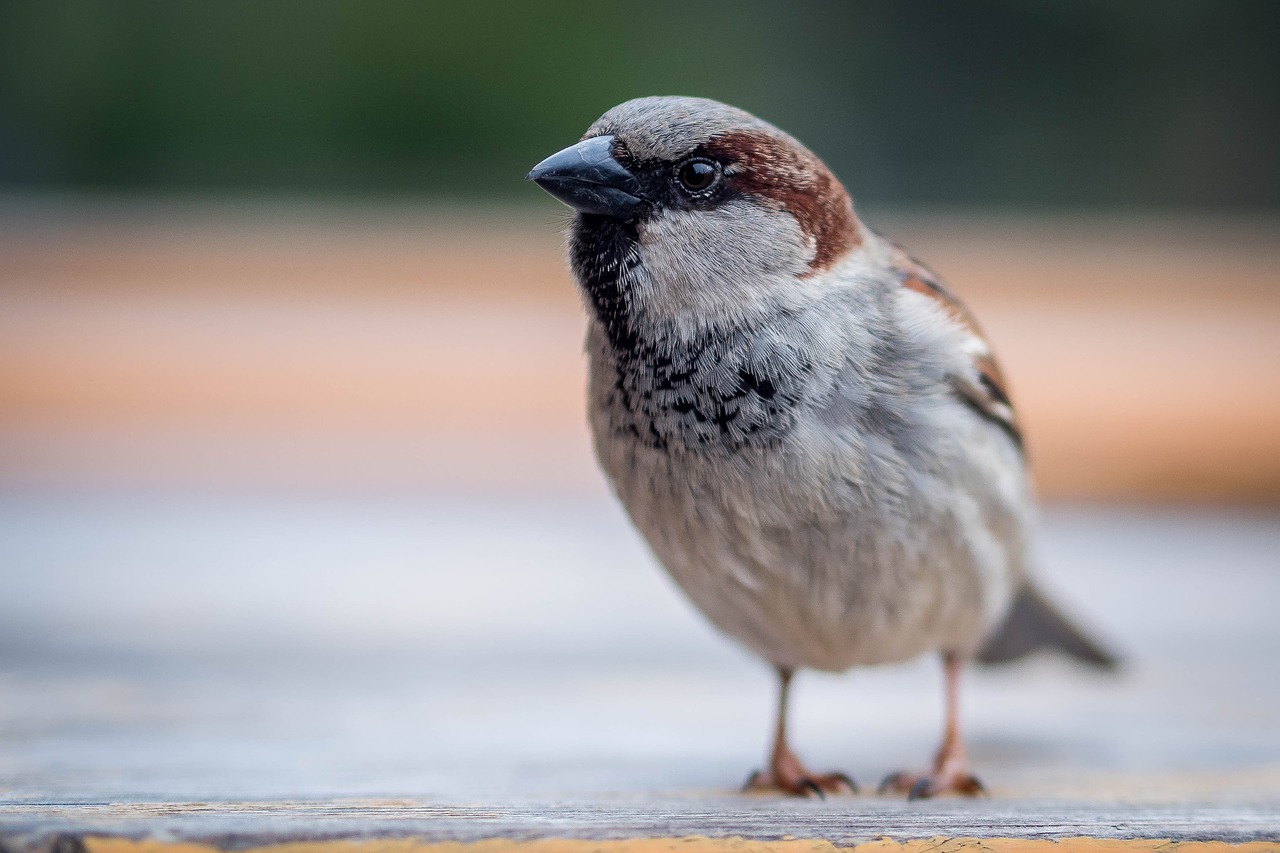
(792, 178)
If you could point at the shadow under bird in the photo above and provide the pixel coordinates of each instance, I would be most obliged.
(806, 425)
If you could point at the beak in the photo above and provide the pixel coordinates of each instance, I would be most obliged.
(588, 178)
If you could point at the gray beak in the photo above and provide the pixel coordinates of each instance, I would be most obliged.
(588, 178)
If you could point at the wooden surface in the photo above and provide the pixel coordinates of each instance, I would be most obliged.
(378, 348)
(240, 825)
(245, 670)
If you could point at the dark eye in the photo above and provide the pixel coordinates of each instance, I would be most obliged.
(696, 175)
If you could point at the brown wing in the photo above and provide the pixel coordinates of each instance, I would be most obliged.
(984, 387)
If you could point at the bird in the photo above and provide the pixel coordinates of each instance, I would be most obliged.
(806, 425)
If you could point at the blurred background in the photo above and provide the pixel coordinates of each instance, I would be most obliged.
(291, 384)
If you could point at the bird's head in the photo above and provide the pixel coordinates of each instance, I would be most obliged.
(692, 211)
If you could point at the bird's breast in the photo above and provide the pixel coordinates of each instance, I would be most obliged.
(726, 391)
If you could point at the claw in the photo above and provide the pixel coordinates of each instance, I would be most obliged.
(921, 790)
(847, 780)
(972, 786)
(892, 782)
(811, 787)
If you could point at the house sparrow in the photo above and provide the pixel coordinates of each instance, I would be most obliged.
(802, 420)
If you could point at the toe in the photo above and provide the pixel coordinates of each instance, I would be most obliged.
(841, 783)
(970, 786)
(899, 783)
(923, 789)
(809, 788)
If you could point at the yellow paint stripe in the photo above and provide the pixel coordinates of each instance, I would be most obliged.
(699, 844)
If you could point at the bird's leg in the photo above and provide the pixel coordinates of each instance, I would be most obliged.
(785, 772)
(951, 765)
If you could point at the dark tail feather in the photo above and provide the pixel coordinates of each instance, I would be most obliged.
(1034, 624)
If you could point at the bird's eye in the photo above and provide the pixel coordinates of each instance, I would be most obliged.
(697, 175)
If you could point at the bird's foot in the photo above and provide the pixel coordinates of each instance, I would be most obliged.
(922, 786)
(806, 785)
(788, 775)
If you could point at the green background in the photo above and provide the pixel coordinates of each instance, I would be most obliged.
(1080, 104)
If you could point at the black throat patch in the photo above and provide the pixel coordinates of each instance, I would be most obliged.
(601, 252)
(724, 389)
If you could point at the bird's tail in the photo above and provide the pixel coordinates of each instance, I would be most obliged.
(1032, 624)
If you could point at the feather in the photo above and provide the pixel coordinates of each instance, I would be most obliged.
(1033, 624)
(983, 386)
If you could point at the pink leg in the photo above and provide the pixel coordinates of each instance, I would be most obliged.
(951, 765)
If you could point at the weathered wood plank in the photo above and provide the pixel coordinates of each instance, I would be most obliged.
(241, 825)
(390, 670)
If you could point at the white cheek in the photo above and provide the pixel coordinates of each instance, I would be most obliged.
(722, 263)
(810, 247)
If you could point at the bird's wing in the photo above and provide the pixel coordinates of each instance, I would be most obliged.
(981, 385)
(1032, 623)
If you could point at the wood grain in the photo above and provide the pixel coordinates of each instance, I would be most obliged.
(704, 825)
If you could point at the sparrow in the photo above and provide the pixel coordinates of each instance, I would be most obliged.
(803, 421)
